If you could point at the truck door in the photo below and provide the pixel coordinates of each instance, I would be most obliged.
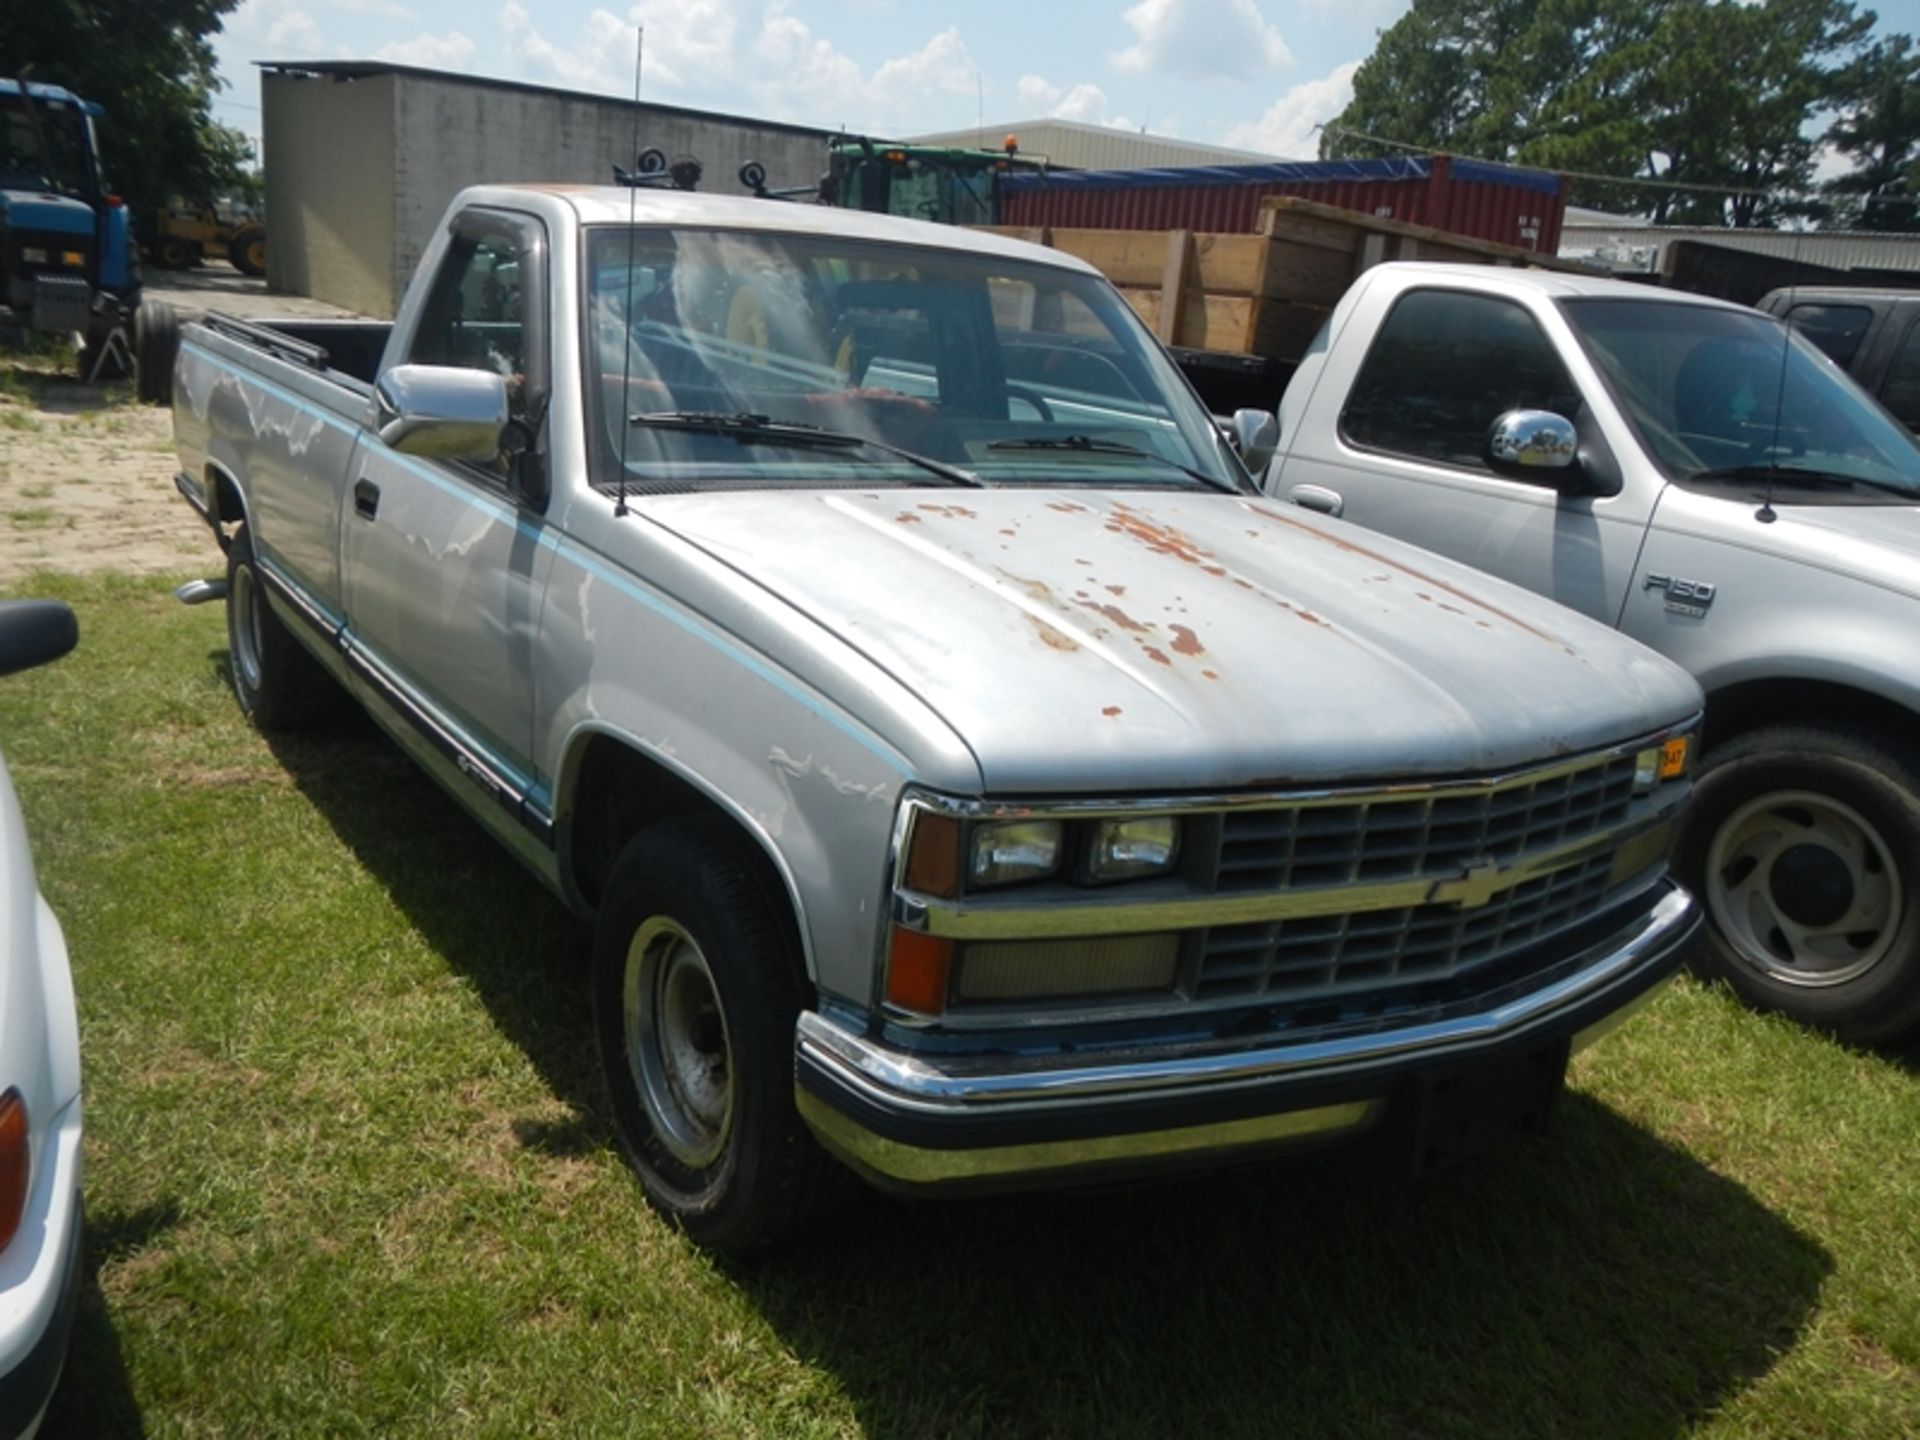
(443, 565)
(1395, 439)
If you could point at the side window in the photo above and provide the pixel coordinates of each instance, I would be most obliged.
(1836, 329)
(475, 318)
(1444, 367)
(1901, 391)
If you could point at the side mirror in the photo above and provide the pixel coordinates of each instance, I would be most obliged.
(442, 412)
(1533, 440)
(32, 632)
(1255, 434)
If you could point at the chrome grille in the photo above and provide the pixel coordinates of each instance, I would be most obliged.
(1368, 948)
(1389, 837)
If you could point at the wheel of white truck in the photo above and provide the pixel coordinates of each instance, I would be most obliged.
(696, 987)
(1804, 844)
(277, 684)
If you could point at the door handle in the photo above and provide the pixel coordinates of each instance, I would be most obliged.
(366, 498)
(1317, 497)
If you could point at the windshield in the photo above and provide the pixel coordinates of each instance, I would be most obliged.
(62, 164)
(1000, 372)
(1721, 396)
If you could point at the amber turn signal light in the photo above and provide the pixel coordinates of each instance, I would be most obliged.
(917, 968)
(1673, 758)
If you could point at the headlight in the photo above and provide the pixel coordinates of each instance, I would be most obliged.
(1660, 763)
(33, 255)
(1014, 850)
(1129, 849)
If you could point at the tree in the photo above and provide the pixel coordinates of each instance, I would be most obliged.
(1878, 129)
(1714, 92)
(150, 64)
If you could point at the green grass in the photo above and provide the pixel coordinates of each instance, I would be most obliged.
(348, 1173)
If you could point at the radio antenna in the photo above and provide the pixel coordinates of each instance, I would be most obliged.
(1766, 514)
(626, 324)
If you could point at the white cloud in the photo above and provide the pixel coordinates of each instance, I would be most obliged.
(388, 8)
(1287, 128)
(278, 26)
(452, 51)
(1085, 102)
(1202, 40)
(731, 52)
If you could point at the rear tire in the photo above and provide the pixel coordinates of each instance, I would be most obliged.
(173, 253)
(697, 984)
(279, 686)
(1804, 845)
(156, 345)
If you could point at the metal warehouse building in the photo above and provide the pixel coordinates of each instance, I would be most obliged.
(362, 157)
(1081, 146)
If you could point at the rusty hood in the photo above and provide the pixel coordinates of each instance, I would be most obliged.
(1087, 641)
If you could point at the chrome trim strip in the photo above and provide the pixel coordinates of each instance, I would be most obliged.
(1068, 808)
(920, 1166)
(964, 920)
(902, 1081)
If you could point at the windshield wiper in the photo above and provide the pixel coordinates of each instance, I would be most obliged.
(751, 429)
(1778, 475)
(1088, 445)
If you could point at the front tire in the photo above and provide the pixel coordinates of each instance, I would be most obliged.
(1804, 845)
(279, 686)
(697, 984)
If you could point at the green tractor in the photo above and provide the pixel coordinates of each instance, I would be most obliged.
(920, 182)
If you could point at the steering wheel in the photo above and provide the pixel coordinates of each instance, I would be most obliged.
(1021, 392)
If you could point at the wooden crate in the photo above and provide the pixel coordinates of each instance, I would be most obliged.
(1263, 294)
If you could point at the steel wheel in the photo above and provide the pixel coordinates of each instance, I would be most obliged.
(678, 1047)
(1805, 888)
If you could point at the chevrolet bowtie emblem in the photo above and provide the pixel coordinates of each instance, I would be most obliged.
(1471, 889)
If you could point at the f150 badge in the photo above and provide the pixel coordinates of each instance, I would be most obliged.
(1684, 597)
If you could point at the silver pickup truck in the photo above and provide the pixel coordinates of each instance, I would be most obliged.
(967, 773)
(1712, 485)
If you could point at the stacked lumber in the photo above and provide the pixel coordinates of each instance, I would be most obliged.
(1264, 294)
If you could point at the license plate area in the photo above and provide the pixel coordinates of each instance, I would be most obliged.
(1462, 1111)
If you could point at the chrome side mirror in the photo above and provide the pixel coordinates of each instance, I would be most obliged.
(1255, 434)
(1533, 440)
(442, 412)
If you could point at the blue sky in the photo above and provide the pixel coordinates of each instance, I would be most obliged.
(1255, 74)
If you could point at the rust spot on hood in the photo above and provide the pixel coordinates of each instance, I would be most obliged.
(1053, 639)
(1067, 507)
(1116, 589)
(1117, 616)
(1421, 576)
(906, 517)
(1110, 711)
(1159, 657)
(1159, 538)
(952, 512)
(1185, 642)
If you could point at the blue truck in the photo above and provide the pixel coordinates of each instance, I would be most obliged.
(67, 260)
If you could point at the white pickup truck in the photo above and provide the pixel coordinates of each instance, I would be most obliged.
(1689, 472)
(967, 772)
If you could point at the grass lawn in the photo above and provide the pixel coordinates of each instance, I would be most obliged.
(349, 1172)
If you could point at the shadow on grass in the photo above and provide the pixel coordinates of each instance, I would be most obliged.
(95, 1395)
(1598, 1282)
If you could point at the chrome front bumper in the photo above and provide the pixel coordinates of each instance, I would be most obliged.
(920, 1121)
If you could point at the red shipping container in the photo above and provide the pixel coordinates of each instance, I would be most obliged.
(1503, 203)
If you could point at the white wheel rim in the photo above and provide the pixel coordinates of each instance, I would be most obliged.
(1804, 888)
(246, 637)
(678, 1049)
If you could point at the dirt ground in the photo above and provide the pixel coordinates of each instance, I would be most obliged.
(86, 472)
